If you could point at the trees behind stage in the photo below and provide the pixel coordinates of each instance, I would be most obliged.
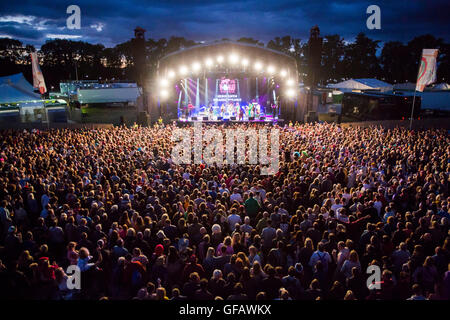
(392, 61)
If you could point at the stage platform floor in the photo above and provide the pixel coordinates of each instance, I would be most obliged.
(266, 120)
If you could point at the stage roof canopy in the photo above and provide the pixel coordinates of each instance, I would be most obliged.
(227, 57)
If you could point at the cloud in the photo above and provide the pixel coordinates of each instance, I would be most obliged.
(217, 19)
(17, 18)
(97, 26)
(62, 36)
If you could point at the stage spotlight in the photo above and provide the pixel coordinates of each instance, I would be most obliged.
(163, 83)
(183, 70)
(258, 66)
(290, 93)
(290, 82)
(220, 59)
(196, 66)
(209, 62)
(171, 74)
(283, 73)
(271, 69)
(245, 62)
(164, 94)
(233, 58)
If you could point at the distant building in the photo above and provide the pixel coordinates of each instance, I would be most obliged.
(94, 92)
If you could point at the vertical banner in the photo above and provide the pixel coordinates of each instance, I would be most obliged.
(427, 70)
(38, 77)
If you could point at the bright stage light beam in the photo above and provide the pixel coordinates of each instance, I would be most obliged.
(290, 93)
(258, 66)
(163, 83)
(209, 62)
(290, 82)
(283, 73)
(271, 69)
(164, 94)
(220, 59)
(171, 74)
(183, 70)
(245, 62)
(233, 58)
(196, 66)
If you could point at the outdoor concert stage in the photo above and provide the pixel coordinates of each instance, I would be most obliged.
(227, 82)
(215, 120)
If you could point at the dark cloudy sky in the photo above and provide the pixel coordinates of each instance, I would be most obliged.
(112, 22)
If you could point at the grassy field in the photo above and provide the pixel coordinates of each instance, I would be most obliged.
(109, 115)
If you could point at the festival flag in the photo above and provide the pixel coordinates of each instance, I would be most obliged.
(427, 70)
(38, 77)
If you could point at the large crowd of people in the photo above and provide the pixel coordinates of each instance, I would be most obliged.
(137, 226)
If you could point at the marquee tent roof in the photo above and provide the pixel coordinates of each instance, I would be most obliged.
(360, 84)
(442, 86)
(16, 89)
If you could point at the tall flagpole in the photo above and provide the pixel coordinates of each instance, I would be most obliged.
(412, 109)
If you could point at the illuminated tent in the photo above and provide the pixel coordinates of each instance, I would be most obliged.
(15, 89)
(442, 86)
(361, 84)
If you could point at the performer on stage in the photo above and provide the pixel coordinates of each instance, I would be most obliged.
(190, 109)
(275, 110)
(250, 109)
(257, 110)
(230, 108)
(210, 111)
(241, 114)
(222, 110)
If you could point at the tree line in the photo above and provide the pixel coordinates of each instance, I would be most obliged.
(395, 62)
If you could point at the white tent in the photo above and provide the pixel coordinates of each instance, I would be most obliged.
(442, 86)
(361, 84)
(16, 89)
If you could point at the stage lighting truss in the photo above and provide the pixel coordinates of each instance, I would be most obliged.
(233, 60)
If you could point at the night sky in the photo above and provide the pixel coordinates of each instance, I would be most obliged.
(34, 22)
